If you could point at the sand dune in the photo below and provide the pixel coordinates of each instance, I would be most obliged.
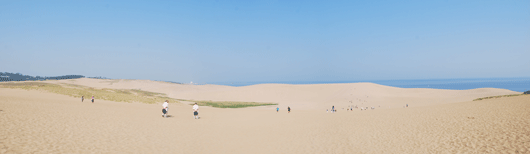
(447, 122)
(302, 97)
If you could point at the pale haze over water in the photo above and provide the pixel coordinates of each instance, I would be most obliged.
(514, 84)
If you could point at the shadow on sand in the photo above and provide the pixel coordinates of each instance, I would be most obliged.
(169, 116)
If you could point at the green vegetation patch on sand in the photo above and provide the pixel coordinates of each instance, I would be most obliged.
(117, 95)
(229, 104)
(491, 97)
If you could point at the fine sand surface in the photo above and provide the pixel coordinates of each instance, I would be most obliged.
(40, 122)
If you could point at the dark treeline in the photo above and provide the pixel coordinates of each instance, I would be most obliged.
(5, 76)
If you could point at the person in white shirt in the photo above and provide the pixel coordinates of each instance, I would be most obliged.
(164, 109)
(196, 111)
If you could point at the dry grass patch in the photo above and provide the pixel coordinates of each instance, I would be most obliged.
(229, 104)
(491, 97)
(117, 95)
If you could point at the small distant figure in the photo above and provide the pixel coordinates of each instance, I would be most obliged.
(326, 110)
(288, 109)
(333, 109)
(92, 99)
(407, 105)
(164, 108)
(82, 98)
(351, 108)
(196, 111)
(277, 109)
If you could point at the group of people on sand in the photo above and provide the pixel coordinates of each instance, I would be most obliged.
(333, 110)
(288, 109)
(362, 108)
(165, 110)
(83, 98)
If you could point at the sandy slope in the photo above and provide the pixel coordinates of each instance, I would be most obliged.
(302, 97)
(38, 122)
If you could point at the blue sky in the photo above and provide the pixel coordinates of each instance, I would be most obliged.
(248, 41)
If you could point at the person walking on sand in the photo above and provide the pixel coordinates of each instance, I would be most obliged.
(288, 109)
(164, 108)
(82, 98)
(92, 99)
(277, 109)
(332, 109)
(196, 111)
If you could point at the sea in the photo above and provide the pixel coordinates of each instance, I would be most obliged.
(514, 84)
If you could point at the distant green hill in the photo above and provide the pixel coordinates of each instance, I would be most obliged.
(5, 76)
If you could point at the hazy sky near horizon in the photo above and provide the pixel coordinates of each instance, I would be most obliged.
(248, 41)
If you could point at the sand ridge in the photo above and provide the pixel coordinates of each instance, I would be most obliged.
(41, 122)
(49, 123)
(302, 97)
